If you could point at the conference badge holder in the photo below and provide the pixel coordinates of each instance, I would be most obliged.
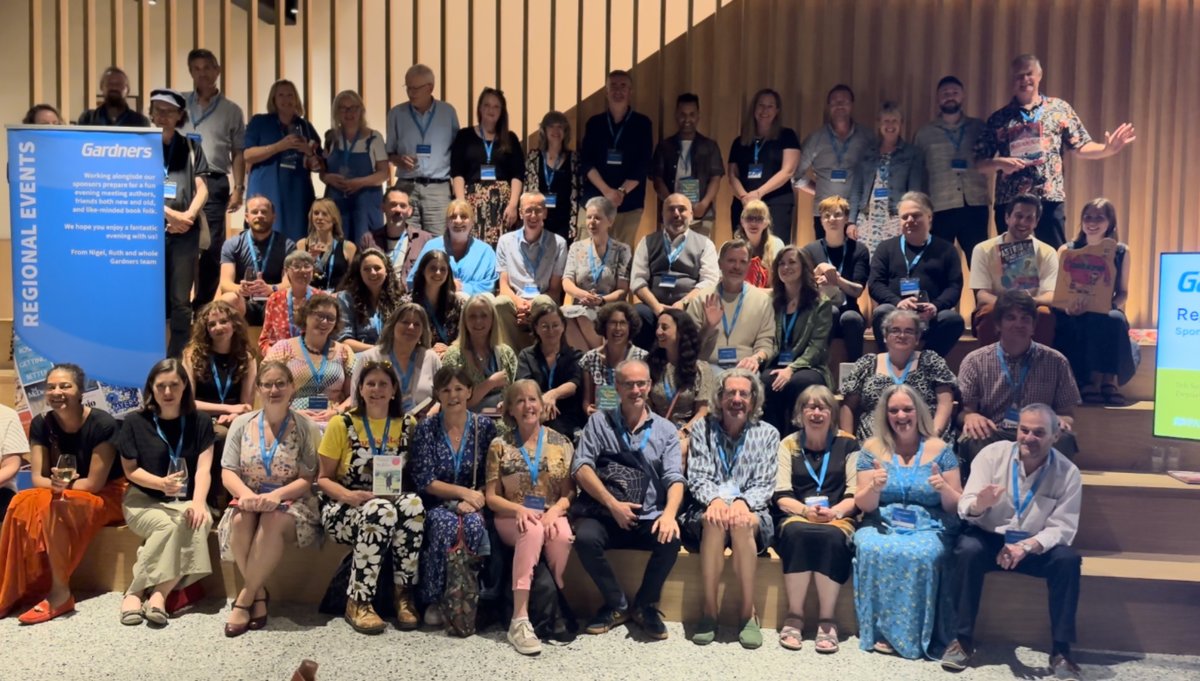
(606, 396)
(839, 175)
(910, 286)
(318, 402)
(530, 291)
(729, 491)
(958, 165)
(727, 356)
(170, 190)
(904, 519)
(487, 173)
(551, 200)
(1015, 536)
(689, 187)
(534, 502)
(614, 157)
(1012, 416)
(424, 152)
(819, 502)
(786, 358)
(668, 281)
(386, 478)
(755, 172)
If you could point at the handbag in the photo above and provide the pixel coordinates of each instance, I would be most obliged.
(626, 475)
(460, 600)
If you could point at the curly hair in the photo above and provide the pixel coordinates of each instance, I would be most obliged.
(199, 348)
(352, 283)
(443, 302)
(687, 335)
(631, 316)
(809, 293)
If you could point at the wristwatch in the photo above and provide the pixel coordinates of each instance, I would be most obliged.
(1026, 546)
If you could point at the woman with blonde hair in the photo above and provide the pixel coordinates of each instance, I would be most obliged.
(755, 230)
(326, 242)
(491, 364)
(281, 148)
(356, 166)
(472, 262)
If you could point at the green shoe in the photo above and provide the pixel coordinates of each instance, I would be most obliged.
(706, 632)
(750, 636)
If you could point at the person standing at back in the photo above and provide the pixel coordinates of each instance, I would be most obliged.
(114, 111)
(833, 153)
(689, 163)
(419, 134)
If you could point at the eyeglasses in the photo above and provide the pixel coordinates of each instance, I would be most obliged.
(273, 385)
(901, 332)
(753, 218)
(325, 317)
(636, 384)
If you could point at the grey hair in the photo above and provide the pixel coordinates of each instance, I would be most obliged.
(419, 70)
(626, 363)
(298, 257)
(756, 392)
(820, 393)
(900, 313)
(532, 196)
(883, 428)
(1045, 410)
(921, 199)
(603, 205)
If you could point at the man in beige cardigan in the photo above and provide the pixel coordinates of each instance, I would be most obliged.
(737, 324)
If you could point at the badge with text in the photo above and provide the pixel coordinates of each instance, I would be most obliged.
(551, 200)
(1015, 536)
(534, 502)
(910, 286)
(820, 502)
(727, 356)
(754, 172)
(689, 187)
(840, 175)
(904, 519)
(614, 157)
(487, 173)
(668, 281)
(386, 478)
(607, 398)
(786, 358)
(318, 402)
(170, 190)
(959, 165)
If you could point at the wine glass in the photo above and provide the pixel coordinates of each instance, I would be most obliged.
(65, 468)
(177, 469)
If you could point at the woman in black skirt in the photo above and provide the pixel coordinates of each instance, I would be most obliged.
(814, 498)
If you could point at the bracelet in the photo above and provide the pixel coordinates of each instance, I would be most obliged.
(622, 190)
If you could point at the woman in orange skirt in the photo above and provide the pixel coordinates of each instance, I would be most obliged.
(48, 528)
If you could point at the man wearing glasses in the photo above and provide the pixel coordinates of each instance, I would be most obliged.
(531, 261)
(419, 134)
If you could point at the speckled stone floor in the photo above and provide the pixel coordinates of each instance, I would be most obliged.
(91, 644)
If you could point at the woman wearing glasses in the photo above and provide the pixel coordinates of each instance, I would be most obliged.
(356, 166)
(283, 306)
(321, 365)
(923, 370)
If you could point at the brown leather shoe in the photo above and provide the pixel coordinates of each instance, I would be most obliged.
(407, 617)
(307, 671)
(362, 617)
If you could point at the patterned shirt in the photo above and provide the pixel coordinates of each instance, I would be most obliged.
(613, 266)
(1057, 128)
(753, 471)
(595, 363)
(506, 464)
(987, 388)
(930, 373)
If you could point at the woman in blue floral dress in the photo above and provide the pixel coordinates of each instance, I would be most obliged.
(908, 487)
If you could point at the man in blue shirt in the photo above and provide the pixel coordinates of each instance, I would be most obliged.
(419, 135)
(615, 158)
(634, 440)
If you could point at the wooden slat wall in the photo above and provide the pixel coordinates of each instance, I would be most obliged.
(1118, 60)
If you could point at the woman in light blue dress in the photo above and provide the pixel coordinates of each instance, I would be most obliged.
(908, 487)
(281, 147)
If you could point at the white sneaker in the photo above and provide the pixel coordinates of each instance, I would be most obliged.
(433, 616)
(523, 638)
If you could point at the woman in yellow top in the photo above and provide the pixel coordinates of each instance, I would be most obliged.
(529, 488)
(364, 501)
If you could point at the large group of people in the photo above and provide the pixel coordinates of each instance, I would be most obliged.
(482, 353)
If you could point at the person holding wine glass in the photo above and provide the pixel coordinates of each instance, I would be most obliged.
(166, 450)
(270, 481)
(327, 244)
(367, 295)
(283, 306)
(76, 491)
(281, 150)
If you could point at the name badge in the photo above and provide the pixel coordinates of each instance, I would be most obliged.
(755, 172)
(729, 491)
(910, 286)
(1015, 536)
(195, 137)
(959, 164)
(606, 396)
(1012, 416)
(487, 173)
(170, 190)
(534, 502)
(820, 502)
(727, 356)
(786, 358)
(530, 291)
(668, 281)
(904, 519)
(689, 187)
(614, 157)
(881, 193)
(424, 151)
(318, 402)
(551, 201)
(839, 175)
(264, 487)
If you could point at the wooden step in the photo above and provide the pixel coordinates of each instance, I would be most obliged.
(1139, 513)
(1120, 438)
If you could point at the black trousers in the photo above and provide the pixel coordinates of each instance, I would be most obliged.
(850, 326)
(208, 276)
(182, 252)
(6, 496)
(975, 556)
(1050, 229)
(780, 405)
(593, 536)
(967, 224)
(943, 333)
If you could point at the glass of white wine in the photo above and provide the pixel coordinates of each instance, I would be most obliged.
(177, 469)
(65, 468)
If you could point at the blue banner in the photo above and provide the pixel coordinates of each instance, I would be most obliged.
(88, 250)
(1177, 364)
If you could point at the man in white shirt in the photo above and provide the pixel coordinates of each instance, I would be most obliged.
(14, 447)
(531, 261)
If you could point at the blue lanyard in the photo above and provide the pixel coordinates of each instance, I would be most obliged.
(222, 386)
(904, 254)
(548, 172)
(616, 134)
(907, 367)
(906, 483)
(170, 154)
(333, 249)
(437, 325)
(532, 265)
(820, 480)
(845, 256)
(758, 145)
(957, 142)
(377, 449)
(260, 264)
(197, 120)
(726, 462)
(597, 272)
(268, 453)
(737, 312)
(176, 451)
(534, 465)
(376, 322)
(406, 377)
(673, 253)
(1035, 116)
(627, 436)
(487, 146)
(549, 369)
(318, 375)
(428, 117)
(839, 154)
(1022, 505)
(347, 147)
(788, 325)
(462, 444)
(1020, 382)
(668, 389)
(292, 328)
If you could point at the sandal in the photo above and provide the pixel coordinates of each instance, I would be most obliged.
(1111, 396)
(883, 648)
(791, 633)
(1091, 395)
(829, 637)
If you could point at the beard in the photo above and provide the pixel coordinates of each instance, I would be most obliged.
(951, 107)
(114, 98)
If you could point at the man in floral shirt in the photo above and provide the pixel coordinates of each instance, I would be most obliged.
(1025, 142)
